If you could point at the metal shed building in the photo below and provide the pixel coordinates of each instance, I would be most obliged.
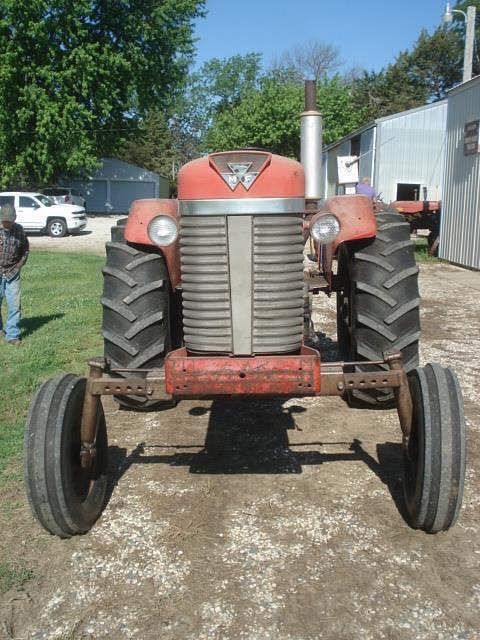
(460, 228)
(117, 183)
(402, 154)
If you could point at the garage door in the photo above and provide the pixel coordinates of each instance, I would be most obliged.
(123, 192)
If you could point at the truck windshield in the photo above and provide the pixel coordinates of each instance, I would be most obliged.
(45, 200)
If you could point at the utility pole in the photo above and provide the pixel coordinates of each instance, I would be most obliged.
(469, 18)
(469, 44)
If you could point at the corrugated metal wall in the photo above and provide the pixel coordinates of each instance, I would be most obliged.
(367, 154)
(344, 148)
(410, 150)
(116, 184)
(331, 187)
(460, 230)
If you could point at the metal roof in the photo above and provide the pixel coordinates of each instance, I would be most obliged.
(372, 123)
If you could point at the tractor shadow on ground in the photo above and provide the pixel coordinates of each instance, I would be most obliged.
(246, 436)
(327, 347)
(30, 325)
(252, 438)
(82, 233)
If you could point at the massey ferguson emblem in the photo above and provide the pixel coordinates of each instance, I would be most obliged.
(242, 168)
(239, 173)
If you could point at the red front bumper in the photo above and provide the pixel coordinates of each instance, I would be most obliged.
(259, 375)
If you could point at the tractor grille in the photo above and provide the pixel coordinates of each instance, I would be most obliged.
(207, 322)
(242, 280)
(277, 284)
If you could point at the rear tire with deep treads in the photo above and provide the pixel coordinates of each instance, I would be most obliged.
(136, 310)
(378, 303)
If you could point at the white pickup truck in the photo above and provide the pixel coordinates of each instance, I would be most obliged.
(37, 212)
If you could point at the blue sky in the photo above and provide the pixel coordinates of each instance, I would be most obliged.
(368, 34)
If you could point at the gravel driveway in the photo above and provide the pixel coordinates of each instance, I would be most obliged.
(294, 532)
(91, 239)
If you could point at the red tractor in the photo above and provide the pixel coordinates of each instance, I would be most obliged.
(206, 296)
(422, 214)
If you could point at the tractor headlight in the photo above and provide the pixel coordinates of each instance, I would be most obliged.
(325, 228)
(162, 230)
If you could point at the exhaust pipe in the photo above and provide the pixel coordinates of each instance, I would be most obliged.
(311, 144)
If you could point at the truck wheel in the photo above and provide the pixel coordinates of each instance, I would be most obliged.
(378, 303)
(434, 460)
(65, 498)
(57, 228)
(136, 310)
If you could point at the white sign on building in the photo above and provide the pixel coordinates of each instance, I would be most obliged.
(347, 167)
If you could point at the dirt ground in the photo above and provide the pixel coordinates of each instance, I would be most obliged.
(296, 532)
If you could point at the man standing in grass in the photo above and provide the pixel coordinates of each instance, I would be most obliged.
(13, 255)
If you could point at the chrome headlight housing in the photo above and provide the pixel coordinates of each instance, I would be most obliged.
(162, 230)
(325, 228)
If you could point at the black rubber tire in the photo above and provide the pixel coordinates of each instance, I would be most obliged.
(65, 498)
(434, 461)
(136, 310)
(57, 228)
(378, 303)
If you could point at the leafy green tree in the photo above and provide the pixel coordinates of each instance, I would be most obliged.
(78, 74)
(153, 146)
(214, 89)
(269, 117)
(389, 91)
(436, 61)
(417, 77)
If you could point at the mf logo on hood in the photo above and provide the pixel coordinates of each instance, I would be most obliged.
(240, 167)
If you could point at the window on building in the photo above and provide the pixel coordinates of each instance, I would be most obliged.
(408, 191)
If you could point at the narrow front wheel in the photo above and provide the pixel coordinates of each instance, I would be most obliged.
(434, 460)
(65, 497)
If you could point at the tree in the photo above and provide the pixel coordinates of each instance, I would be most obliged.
(269, 117)
(78, 74)
(389, 91)
(417, 77)
(436, 61)
(217, 87)
(312, 60)
(153, 146)
(167, 139)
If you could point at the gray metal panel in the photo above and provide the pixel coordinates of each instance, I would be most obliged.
(242, 282)
(207, 321)
(343, 148)
(240, 265)
(331, 186)
(365, 164)
(116, 184)
(460, 231)
(277, 284)
(95, 194)
(241, 206)
(410, 149)
(114, 169)
(124, 192)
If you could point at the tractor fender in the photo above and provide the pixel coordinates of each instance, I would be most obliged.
(136, 231)
(356, 216)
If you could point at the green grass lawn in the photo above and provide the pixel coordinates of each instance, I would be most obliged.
(61, 317)
(421, 250)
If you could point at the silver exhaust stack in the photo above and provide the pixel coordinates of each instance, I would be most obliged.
(311, 143)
